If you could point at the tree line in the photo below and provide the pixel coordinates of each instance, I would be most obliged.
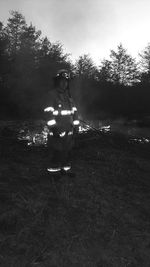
(28, 63)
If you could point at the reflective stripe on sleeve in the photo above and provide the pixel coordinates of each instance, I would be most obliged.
(55, 112)
(76, 122)
(51, 122)
(49, 109)
(74, 109)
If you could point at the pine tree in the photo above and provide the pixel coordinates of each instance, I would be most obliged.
(15, 27)
(85, 67)
(145, 64)
(120, 69)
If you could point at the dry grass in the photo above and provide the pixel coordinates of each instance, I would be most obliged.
(101, 218)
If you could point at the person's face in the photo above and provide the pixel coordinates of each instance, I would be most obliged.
(63, 84)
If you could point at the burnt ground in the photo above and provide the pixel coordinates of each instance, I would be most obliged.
(101, 218)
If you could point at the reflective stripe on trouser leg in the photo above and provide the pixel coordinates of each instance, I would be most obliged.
(66, 168)
(60, 150)
(54, 169)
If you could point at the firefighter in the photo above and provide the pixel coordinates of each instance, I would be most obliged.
(62, 123)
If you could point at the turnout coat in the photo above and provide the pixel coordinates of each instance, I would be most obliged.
(62, 119)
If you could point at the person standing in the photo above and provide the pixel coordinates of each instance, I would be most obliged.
(62, 123)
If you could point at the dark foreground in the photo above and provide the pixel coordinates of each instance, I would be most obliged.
(101, 218)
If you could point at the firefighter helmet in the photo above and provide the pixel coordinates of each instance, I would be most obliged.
(62, 74)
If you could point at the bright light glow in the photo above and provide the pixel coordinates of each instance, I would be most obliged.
(51, 122)
(76, 122)
(70, 133)
(49, 109)
(105, 128)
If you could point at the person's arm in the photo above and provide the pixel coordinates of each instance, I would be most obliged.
(76, 121)
(49, 110)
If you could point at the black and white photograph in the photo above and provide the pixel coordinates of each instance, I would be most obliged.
(74, 133)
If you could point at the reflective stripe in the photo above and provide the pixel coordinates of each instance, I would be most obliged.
(48, 109)
(54, 169)
(74, 109)
(76, 122)
(66, 112)
(55, 112)
(51, 122)
(62, 134)
(63, 112)
(66, 168)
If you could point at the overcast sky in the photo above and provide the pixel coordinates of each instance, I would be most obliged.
(87, 26)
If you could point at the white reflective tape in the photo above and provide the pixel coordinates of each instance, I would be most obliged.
(66, 168)
(51, 122)
(62, 134)
(55, 112)
(74, 109)
(54, 169)
(76, 122)
(66, 112)
(48, 109)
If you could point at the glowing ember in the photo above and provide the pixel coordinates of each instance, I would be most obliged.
(38, 135)
(105, 128)
(139, 140)
(83, 129)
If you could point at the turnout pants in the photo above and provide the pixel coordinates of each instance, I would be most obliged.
(60, 150)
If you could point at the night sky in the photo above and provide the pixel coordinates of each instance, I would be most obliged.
(87, 26)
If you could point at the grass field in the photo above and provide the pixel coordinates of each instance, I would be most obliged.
(101, 218)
